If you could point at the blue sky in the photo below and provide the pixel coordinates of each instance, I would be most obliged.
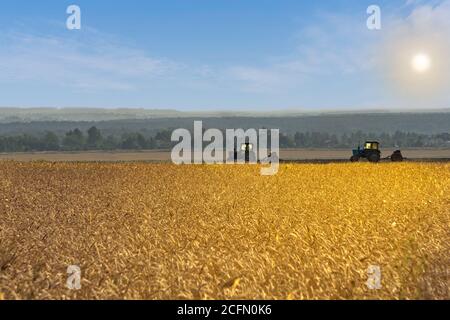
(217, 54)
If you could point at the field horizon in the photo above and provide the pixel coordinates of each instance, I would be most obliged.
(289, 154)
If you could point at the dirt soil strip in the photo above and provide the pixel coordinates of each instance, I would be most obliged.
(290, 155)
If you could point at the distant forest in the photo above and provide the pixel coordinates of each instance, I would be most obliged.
(93, 139)
(146, 130)
(422, 123)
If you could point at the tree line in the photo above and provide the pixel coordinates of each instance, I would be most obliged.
(93, 139)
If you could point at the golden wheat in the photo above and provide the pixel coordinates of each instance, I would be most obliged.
(146, 231)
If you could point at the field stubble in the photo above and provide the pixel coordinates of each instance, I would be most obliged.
(159, 231)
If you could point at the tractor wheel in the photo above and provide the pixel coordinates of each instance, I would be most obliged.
(374, 158)
(354, 159)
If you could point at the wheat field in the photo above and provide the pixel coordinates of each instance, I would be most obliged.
(160, 231)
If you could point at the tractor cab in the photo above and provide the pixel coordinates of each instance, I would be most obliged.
(244, 154)
(370, 152)
(247, 152)
(371, 145)
(247, 147)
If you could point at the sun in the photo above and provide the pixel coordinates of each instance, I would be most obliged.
(421, 63)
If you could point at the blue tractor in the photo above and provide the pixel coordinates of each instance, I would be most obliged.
(372, 153)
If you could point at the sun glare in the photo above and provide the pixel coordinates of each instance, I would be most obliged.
(421, 63)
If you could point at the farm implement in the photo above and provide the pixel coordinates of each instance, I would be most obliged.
(372, 153)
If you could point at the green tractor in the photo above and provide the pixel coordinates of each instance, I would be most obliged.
(372, 153)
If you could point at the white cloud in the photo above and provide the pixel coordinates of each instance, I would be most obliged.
(336, 45)
(254, 79)
(340, 47)
(91, 63)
